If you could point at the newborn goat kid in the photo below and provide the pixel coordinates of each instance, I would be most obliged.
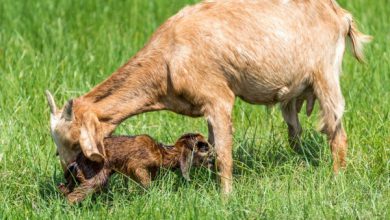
(139, 157)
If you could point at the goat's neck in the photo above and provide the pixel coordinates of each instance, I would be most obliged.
(170, 156)
(134, 88)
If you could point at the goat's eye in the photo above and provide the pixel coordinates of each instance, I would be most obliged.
(202, 146)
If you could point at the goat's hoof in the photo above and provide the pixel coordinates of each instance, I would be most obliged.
(62, 188)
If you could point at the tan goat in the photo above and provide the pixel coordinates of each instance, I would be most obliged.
(202, 58)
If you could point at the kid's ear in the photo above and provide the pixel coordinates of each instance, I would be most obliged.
(186, 163)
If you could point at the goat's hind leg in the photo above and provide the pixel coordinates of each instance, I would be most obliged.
(290, 115)
(328, 92)
(143, 177)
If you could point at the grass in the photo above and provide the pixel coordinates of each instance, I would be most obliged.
(70, 46)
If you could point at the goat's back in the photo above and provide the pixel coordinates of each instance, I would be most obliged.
(264, 51)
(131, 151)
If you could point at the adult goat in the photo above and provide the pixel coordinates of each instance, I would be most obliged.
(199, 60)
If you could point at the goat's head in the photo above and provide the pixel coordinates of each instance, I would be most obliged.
(74, 132)
(196, 152)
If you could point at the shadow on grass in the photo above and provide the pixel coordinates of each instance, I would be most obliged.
(122, 185)
(48, 191)
(312, 147)
(250, 157)
(48, 186)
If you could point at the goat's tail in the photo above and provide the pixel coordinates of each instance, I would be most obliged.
(358, 39)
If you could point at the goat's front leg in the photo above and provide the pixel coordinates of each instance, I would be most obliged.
(290, 115)
(81, 192)
(220, 126)
(70, 177)
(66, 188)
(88, 187)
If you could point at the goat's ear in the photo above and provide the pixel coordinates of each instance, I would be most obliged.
(50, 101)
(186, 163)
(67, 112)
(91, 138)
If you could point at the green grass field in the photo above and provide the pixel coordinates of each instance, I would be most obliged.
(70, 46)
